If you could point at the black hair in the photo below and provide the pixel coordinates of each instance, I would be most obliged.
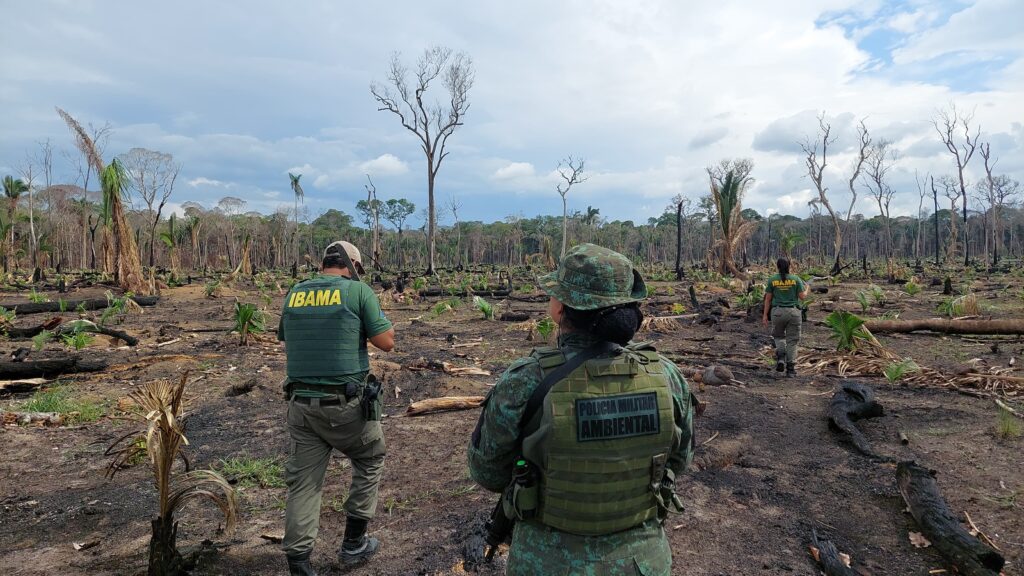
(332, 260)
(615, 324)
(783, 265)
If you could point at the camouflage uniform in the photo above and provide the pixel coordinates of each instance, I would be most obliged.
(585, 280)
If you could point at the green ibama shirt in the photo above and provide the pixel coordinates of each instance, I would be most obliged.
(785, 292)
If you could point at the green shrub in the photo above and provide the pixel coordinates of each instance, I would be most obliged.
(36, 297)
(877, 295)
(419, 283)
(484, 307)
(249, 472)
(40, 340)
(912, 288)
(1007, 425)
(545, 327)
(893, 372)
(678, 309)
(7, 317)
(59, 399)
(440, 308)
(77, 339)
(248, 320)
(847, 329)
(862, 299)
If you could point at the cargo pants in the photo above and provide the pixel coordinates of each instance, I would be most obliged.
(786, 331)
(315, 431)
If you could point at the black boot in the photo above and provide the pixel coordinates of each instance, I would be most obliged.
(790, 369)
(298, 565)
(780, 361)
(357, 546)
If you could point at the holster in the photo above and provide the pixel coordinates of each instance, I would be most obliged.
(371, 402)
(663, 481)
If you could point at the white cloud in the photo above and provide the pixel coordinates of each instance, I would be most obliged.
(987, 27)
(204, 181)
(513, 171)
(384, 165)
(796, 200)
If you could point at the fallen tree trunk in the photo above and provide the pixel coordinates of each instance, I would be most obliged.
(50, 367)
(854, 401)
(832, 562)
(443, 404)
(23, 308)
(21, 385)
(948, 326)
(60, 329)
(970, 556)
(515, 317)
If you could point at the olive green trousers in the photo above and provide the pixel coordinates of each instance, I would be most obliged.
(315, 431)
(786, 331)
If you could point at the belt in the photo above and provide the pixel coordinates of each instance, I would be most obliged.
(323, 401)
(793, 306)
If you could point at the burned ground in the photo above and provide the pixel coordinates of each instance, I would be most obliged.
(767, 470)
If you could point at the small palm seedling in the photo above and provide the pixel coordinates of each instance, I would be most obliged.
(62, 304)
(484, 307)
(877, 295)
(862, 299)
(912, 288)
(160, 406)
(248, 320)
(36, 297)
(7, 317)
(213, 289)
(440, 308)
(847, 329)
(77, 339)
(545, 327)
(678, 309)
(752, 297)
(39, 340)
(895, 371)
(419, 284)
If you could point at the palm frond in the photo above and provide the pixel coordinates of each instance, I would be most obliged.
(203, 484)
(83, 141)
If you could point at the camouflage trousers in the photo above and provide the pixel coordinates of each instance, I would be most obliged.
(538, 549)
(786, 331)
(315, 431)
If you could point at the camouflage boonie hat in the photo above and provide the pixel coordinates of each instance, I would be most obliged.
(591, 277)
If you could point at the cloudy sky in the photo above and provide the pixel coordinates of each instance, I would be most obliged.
(648, 92)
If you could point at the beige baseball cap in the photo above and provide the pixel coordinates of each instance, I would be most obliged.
(350, 249)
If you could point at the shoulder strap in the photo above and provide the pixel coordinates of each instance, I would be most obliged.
(541, 391)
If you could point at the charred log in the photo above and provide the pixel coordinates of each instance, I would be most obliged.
(971, 556)
(854, 401)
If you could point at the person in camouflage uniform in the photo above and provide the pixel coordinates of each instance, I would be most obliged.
(595, 296)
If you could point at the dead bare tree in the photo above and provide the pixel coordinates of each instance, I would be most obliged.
(374, 206)
(571, 171)
(816, 158)
(952, 192)
(681, 205)
(453, 205)
(922, 191)
(880, 161)
(152, 175)
(947, 123)
(432, 124)
(994, 192)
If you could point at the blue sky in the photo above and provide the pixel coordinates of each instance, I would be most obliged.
(241, 93)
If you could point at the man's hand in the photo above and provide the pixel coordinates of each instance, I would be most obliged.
(764, 321)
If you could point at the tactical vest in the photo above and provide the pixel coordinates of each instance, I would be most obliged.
(602, 442)
(324, 337)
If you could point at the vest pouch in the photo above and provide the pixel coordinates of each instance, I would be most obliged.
(524, 501)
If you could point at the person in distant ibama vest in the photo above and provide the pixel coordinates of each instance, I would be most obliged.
(782, 295)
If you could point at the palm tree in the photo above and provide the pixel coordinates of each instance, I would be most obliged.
(787, 241)
(160, 406)
(114, 180)
(13, 189)
(170, 239)
(299, 195)
(728, 198)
